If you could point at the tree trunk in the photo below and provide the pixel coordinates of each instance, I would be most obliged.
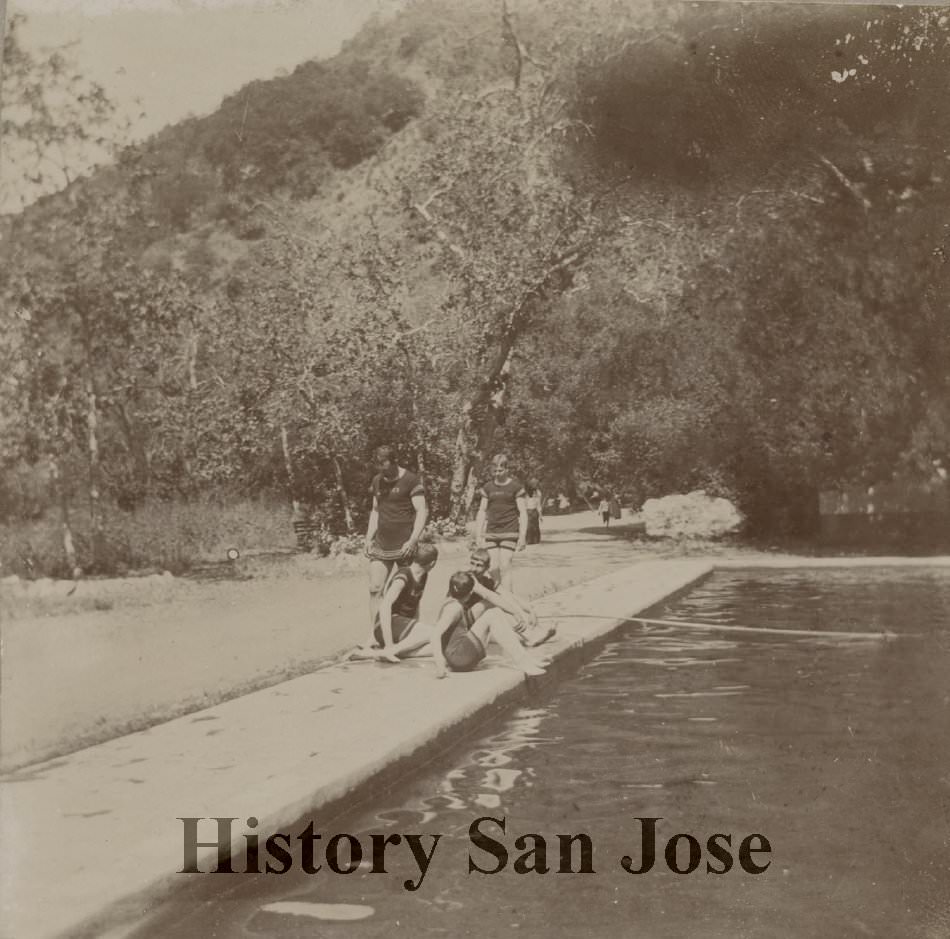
(191, 354)
(462, 469)
(484, 410)
(69, 546)
(95, 501)
(140, 460)
(289, 467)
(344, 498)
(481, 416)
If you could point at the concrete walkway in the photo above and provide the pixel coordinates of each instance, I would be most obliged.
(90, 840)
(106, 673)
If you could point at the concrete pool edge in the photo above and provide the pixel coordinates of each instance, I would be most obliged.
(87, 865)
(797, 561)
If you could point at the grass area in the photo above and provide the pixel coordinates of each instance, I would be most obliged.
(158, 536)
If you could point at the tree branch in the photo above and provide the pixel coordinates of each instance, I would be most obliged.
(521, 53)
(852, 188)
(440, 233)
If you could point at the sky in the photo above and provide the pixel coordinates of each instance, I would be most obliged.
(180, 58)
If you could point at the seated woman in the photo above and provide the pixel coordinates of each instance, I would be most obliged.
(394, 628)
(530, 632)
(472, 616)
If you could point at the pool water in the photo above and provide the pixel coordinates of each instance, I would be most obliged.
(837, 751)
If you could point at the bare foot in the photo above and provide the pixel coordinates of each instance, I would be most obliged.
(384, 655)
(359, 653)
(533, 670)
(539, 635)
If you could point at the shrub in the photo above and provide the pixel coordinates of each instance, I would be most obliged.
(347, 544)
(171, 536)
(446, 528)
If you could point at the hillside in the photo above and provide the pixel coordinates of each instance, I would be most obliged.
(643, 246)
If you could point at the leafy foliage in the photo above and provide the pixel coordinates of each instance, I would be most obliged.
(696, 247)
(55, 123)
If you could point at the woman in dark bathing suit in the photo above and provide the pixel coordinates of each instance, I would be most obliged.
(462, 633)
(476, 611)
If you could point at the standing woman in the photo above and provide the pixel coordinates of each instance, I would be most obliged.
(502, 522)
(396, 522)
(534, 505)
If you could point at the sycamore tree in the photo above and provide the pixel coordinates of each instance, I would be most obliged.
(509, 228)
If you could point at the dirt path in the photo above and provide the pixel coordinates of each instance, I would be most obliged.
(72, 680)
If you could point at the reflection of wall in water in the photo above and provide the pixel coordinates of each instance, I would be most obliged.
(899, 513)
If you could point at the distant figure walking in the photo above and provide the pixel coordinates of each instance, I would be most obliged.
(396, 522)
(501, 525)
(614, 507)
(604, 509)
(534, 506)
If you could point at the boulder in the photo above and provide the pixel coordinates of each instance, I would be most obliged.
(694, 515)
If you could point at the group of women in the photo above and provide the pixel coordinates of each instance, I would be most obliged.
(481, 605)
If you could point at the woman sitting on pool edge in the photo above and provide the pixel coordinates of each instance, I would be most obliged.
(398, 614)
(528, 629)
(461, 633)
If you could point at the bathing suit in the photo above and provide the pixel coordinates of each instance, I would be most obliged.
(397, 514)
(462, 648)
(405, 611)
(502, 519)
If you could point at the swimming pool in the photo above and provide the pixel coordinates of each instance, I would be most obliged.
(837, 751)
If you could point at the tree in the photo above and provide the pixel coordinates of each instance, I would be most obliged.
(55, 123)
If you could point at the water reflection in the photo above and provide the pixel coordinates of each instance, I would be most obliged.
(838, 752)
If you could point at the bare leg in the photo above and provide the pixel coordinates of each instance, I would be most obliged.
(378, 574)
(495, 624)
(495, 554)
(418, 636)
(421, 634)
(504, 569)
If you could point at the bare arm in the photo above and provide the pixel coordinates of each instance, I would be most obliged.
(504, 601)
(372, 525)
(525, 610)
(422, 516)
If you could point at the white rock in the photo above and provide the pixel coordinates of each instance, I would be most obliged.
(695, 515)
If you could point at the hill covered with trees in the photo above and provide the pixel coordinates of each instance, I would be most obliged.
(641, 246)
